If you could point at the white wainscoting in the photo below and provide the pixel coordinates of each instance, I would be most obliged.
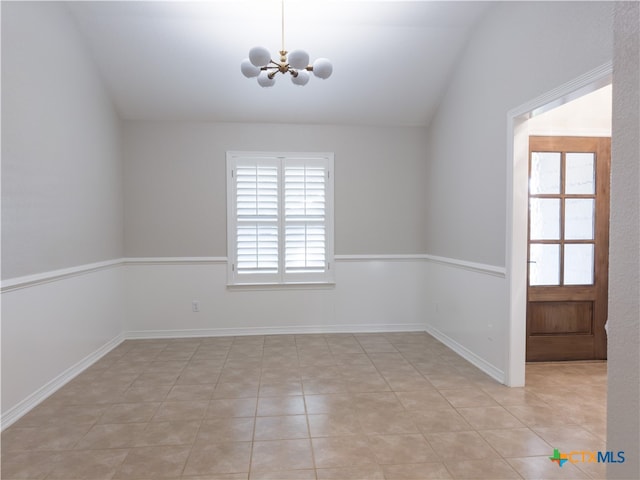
(467, 311)
(461, 303)
(372, 294)
(55, 325)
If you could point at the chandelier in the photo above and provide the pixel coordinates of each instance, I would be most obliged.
(296, 62)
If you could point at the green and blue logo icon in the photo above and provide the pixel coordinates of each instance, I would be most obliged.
(559, 458)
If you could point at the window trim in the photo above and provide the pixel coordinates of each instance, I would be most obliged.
(282, 278)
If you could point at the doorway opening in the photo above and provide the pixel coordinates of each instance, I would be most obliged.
(519, 125)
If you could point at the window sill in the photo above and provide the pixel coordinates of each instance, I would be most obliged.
(282, 286)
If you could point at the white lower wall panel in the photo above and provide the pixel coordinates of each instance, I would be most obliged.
(53, 330)
(460, 303)
(55, 326)
(381, 292)
(467, 311)
(369, 295)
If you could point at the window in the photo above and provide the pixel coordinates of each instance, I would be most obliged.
(279, 218)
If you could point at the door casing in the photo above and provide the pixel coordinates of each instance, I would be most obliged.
(517, 205)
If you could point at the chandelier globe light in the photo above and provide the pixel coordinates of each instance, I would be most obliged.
(260, 65)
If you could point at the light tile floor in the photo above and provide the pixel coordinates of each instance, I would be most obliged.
(340, 406)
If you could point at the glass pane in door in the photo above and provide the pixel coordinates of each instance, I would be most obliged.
(545, 173)
(544, 215)
(544, 264)
(580, 173)
(578, 264)
(579, 218)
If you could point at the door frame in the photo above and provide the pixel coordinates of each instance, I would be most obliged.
(517, 209)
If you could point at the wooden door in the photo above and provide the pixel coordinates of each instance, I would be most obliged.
(568, 248)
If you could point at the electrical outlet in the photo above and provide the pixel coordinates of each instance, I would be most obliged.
(195, 306)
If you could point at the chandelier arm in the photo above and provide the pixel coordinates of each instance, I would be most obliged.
(271, 69)
(270, 66)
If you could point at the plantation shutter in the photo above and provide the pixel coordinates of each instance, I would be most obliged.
(257, 229)
(305, 216)
(280, 218)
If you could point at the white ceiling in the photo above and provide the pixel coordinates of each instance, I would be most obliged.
(181, 60)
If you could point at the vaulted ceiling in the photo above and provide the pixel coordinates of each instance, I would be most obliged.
(181, 60)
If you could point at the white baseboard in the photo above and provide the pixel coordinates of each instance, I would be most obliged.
(15, 413)
(285, 330)
(467, 354)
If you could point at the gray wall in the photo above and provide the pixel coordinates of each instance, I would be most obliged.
(61, 205)
(623, 404)
(61, 160)
(175, 186)
(519, 51)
